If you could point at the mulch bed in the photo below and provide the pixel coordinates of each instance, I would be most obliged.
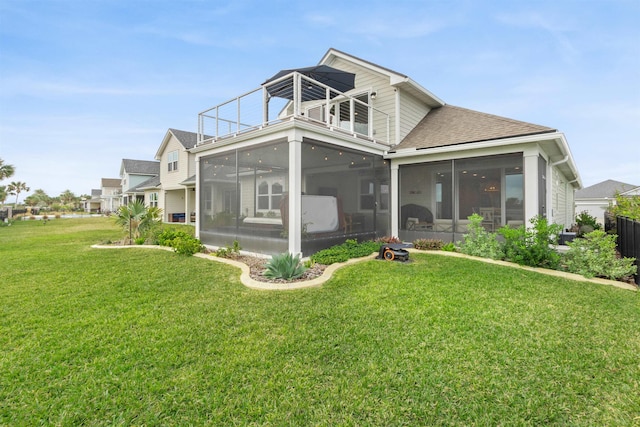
(257, 266)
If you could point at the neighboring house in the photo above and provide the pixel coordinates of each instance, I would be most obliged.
(110, 194)
(132, 174)
(595, 199)
(175, 191)
(351, 149)
(93, 204)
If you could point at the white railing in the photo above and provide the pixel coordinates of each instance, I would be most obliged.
(293, 96)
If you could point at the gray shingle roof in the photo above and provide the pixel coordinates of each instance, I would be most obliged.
(187, 139)
(153, 182)
(190, 180)
(110, 182)
(604, 189)
(450, 125)
(141, 167)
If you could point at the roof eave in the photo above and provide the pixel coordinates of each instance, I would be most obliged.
(552, 137)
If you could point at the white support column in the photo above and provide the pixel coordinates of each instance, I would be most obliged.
(187, 215)
(530, 186)
(197, 206)
(295, 192)
(395, 189)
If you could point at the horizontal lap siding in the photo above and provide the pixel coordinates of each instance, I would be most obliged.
(366, 81)
(172, 180)
(411, 112)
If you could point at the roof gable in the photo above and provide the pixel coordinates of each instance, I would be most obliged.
(450, 125)
(396, 79)
(187, 139)
(604, 189)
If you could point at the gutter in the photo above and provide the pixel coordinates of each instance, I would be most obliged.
(559, 162)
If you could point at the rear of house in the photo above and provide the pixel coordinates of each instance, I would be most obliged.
(298, 165)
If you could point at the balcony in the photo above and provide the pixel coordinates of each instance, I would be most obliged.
(295, 97)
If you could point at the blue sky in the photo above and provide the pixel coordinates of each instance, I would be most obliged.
(86, 83)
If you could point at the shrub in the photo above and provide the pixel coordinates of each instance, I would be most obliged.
(284, 266)
(428, 244)
(627, 206)
(168, 235)
(229, 251)
(140, 240)
(480, 242)
(449, 247)
(532, 246)
(586, 223)
(343, 252)
(594, 255)
(187, 245)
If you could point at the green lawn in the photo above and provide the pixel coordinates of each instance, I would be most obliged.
(143, 337)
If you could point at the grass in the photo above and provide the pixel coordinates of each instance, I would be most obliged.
(141, 337)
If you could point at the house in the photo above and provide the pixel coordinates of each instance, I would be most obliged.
(134, 173)
(175, 189)
(595, 199)
(92, 204)
(350, 149)
(110, 194)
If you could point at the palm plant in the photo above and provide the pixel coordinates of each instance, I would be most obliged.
(137, 219)
(17, 187)
(3, 195)
(6, 171)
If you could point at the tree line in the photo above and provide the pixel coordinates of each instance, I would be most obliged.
(67, 200)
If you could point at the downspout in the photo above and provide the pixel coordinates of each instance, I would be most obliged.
(559, 162)
(397, 117)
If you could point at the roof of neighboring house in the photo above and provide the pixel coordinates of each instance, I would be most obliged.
(151, 183)
(633, 192)
(110, 182)
(96, 192)
(189, 181)
(450, 125)
(604, 189)
(187, 139)
(140, 167)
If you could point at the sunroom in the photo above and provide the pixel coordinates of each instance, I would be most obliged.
(296, 165)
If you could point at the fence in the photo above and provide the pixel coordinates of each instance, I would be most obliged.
(628, 232)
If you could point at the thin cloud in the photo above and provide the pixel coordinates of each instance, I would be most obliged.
(556, 29)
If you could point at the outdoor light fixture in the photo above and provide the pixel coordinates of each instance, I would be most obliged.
(373, 95)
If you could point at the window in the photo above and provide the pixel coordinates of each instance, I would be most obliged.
(207, 198)
(153, 200)
(172, 161)
(269, 194)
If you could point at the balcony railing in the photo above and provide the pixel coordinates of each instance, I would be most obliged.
(294, 96)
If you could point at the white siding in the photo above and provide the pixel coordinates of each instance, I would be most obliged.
(369, 81)
(171, 180)
(411, 112)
